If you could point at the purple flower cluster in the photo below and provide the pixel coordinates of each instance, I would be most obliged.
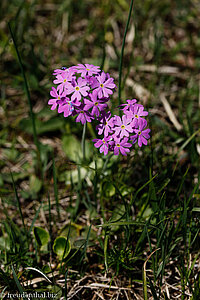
(83, 91)
(120, 133)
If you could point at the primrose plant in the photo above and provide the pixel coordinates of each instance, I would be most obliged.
(83, 91)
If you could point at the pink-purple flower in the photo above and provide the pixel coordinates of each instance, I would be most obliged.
(87, 69)
(102, 144)
(57, 96)
(128, 106)
(141, 134)
(121, 146)
(122, 126)
(96, 104)
(78, 89)
(65, 106)
(106, 123)
(136, 113)
(104, 86)
(63, 80)
(83, 115)
(64, 70)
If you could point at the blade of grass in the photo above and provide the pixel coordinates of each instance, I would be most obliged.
(35, 218)
(50, 227)
(18, 202)
(103, 56)
(2, 293)
(7, 225)
(19, 10)
(95, 183)
(152, 192)
(197, 185)
(66, 273)
(105, 248)
(140, 189)
(67, 261)
(86, 244)
(194, 239)
(182, 147)
(151, 249)
(191, 268)
(153, 290)
(145, 276)
(182, 182)
(35, 138)
(184, 221)
(122, 52)
(55, 188)
(188, 141)
(17, 282)
(51, 239)
(127, 223)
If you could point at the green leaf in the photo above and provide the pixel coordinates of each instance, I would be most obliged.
(45, 153)
(72, 148)
(108, 189)
(61, 247)
(73, 176)
(196, 209)
(117, 213)
(35, 184)
(11, 154)
(5, 243)
(74, 230)
(41, 126)
(41, 236)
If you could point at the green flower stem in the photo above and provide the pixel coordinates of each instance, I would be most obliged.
(122, 53)
(105, 163)
(83, 140)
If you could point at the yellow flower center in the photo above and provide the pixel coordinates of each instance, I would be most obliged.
(136, 116)
(122, 127)
(101, 85)
(64, 80)
(106, 123)
(96, 103)
(77, 88)
(118, 145)
(139, 132)
(103, 141)
(58, 98)
(88, 69)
